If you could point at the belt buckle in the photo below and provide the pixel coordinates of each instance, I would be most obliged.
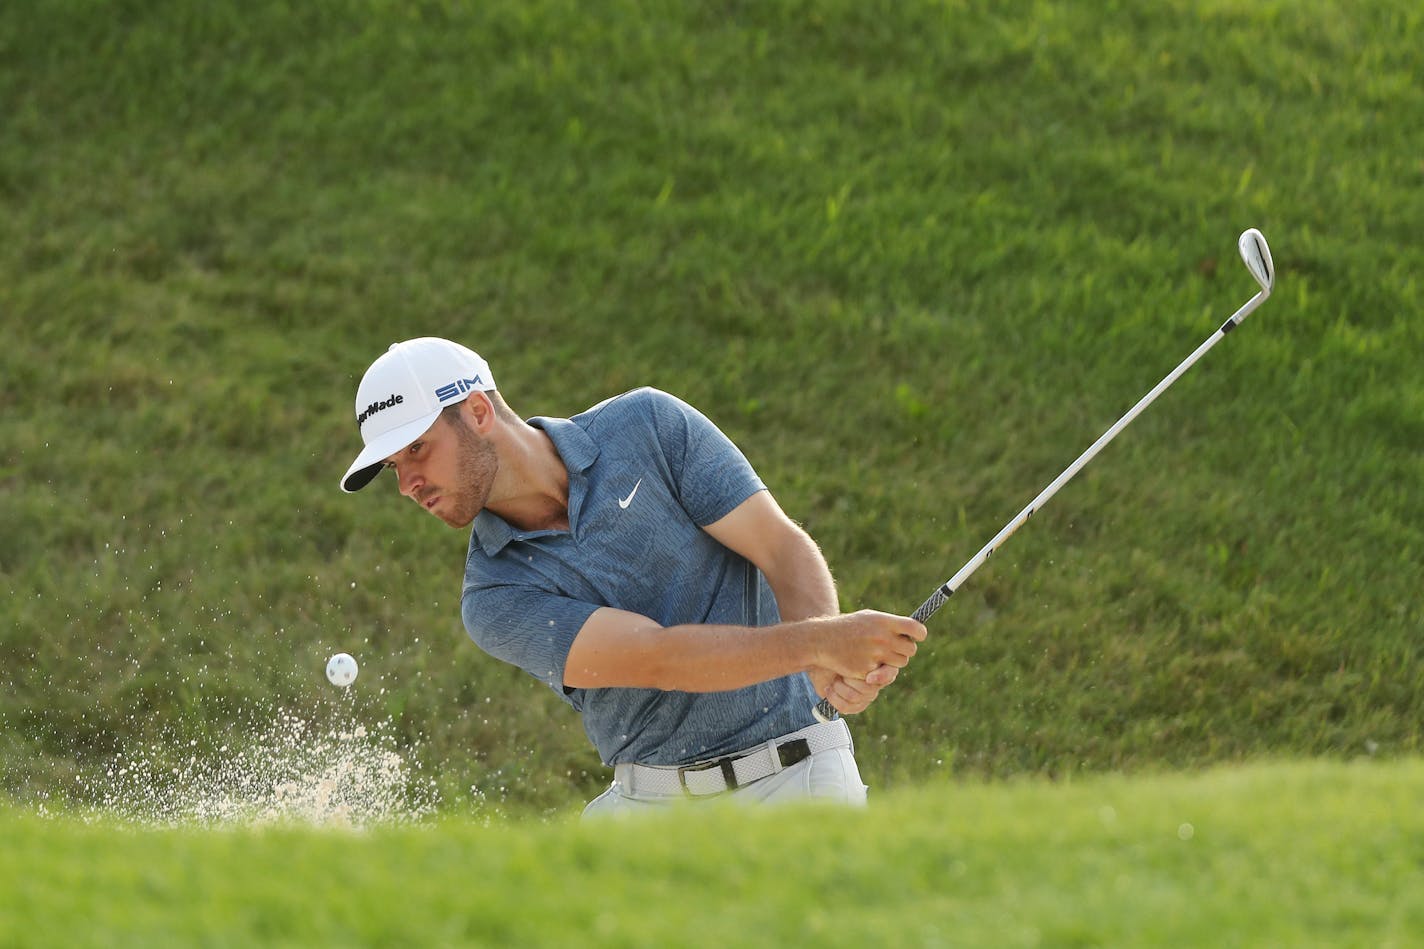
(729, 775)
(793, 751)
(788, 753)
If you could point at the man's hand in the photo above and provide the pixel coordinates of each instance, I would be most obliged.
(854, 645)
(851, 696)
(861, 653)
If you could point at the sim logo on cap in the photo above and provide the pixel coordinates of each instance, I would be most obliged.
(452, 389)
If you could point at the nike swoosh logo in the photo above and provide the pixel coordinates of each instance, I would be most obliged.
(624, 502)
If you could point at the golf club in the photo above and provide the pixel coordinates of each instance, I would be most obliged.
(1257, 257)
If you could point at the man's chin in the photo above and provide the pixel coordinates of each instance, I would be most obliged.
(456, 521)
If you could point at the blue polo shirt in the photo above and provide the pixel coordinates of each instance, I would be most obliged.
(646, 472)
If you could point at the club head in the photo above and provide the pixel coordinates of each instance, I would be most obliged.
(1257, 256)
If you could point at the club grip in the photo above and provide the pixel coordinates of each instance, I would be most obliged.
(825, 711)
(927, 609)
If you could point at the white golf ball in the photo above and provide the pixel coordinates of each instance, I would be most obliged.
(341, 669)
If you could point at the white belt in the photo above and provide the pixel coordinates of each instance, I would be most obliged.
(734, 770)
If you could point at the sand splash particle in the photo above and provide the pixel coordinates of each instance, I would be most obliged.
(287, 772)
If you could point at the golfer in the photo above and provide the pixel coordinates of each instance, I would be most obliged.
(630, 559)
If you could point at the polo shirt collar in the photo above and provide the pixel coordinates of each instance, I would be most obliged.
(578, 452)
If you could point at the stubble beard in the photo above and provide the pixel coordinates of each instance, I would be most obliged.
(476, 463)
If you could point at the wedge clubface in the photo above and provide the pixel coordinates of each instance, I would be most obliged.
(1257, 255)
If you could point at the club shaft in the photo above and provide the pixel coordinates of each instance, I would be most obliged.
(930, 605)
(824, 710)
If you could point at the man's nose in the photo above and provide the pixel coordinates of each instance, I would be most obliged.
(410, 482)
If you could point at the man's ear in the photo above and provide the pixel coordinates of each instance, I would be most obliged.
(478, 411)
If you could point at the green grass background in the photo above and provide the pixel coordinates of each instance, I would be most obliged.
(913, 257)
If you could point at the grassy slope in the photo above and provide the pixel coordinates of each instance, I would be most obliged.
(914, 257)
(1302, 854)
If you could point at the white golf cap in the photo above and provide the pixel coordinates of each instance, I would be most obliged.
(402, 394)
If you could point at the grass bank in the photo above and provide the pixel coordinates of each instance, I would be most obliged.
(912, 256)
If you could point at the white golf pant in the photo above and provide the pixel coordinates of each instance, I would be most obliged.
(827, 775)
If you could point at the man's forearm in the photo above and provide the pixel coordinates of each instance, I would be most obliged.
(618, 649)
(712, 658)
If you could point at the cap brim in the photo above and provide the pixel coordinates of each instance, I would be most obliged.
(368, 464)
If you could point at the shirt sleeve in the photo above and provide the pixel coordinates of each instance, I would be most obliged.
(710, 473)
(525, 626)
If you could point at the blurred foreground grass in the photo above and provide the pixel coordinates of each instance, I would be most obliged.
(1268, 854)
